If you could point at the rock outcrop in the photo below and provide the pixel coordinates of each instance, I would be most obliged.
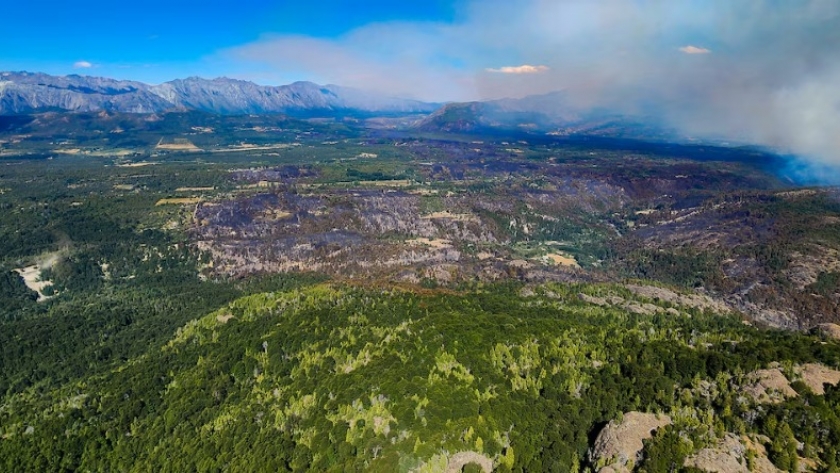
(816, 376)
(619, 445)
(458, 461)
(768, 386)
(831, 331)
(696, 301)
(730, 456)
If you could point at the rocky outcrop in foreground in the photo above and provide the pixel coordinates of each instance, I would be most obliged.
(619, 445)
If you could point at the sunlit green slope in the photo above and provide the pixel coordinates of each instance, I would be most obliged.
(337, 378)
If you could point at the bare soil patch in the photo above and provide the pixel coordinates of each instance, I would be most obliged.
(179, 201)
(178, 144)
(561, 259)
(195, 189)
(432, 242)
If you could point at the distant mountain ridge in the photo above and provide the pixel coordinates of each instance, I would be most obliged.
(552, 113)
(24, 92)
(541, 112)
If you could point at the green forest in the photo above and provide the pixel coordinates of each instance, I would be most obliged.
(319, 377)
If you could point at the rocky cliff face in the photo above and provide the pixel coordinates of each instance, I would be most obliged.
(22, 92)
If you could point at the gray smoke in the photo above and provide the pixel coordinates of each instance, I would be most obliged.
(762, 72)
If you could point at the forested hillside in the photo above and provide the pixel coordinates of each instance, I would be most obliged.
(338, 378)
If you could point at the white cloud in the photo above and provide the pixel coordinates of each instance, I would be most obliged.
(411, 63)
(523, 69)
(82, 65)
(694, 50)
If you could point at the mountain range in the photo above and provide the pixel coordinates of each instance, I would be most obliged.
(24, 92)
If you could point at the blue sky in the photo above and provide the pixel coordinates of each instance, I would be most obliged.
(157, 40)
